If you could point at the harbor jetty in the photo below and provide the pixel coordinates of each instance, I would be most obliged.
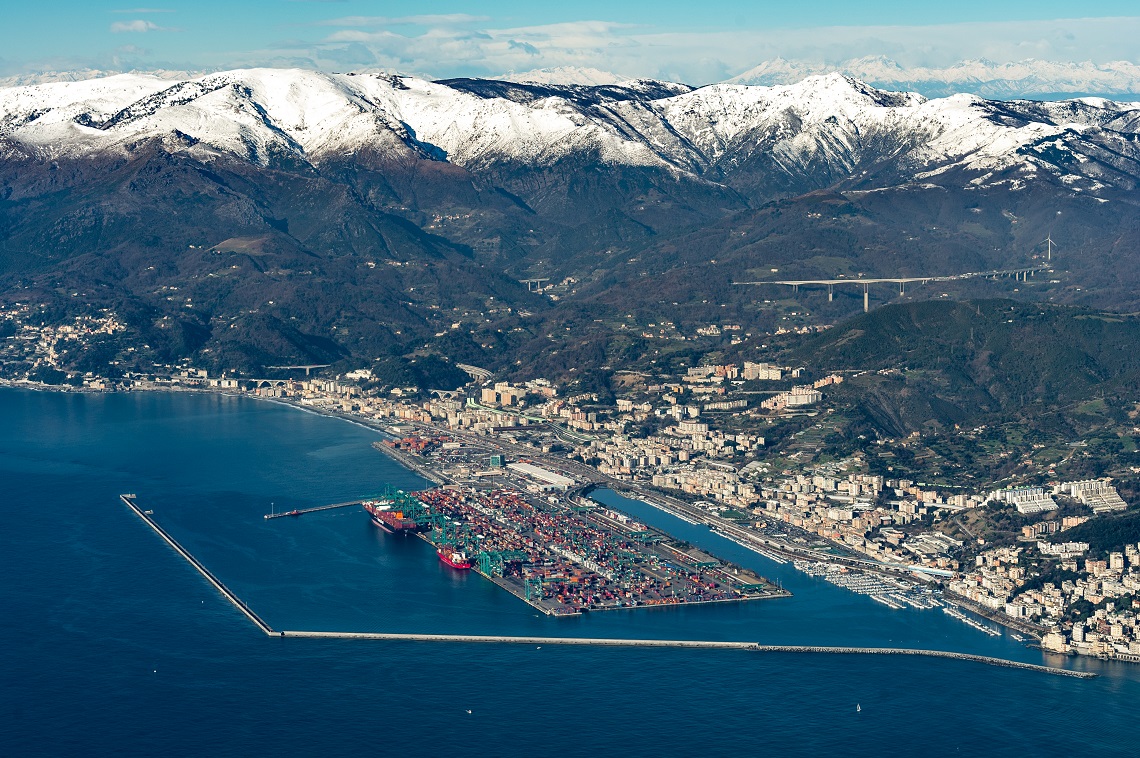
(130, 501)
(303, 511)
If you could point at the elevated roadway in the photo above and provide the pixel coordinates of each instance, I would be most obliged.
(1019, 274)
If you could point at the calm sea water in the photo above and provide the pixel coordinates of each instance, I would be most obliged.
(111, 642)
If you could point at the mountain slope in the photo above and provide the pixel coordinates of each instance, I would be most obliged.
(371, 204)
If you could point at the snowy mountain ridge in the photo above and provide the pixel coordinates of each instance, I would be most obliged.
(829, 125)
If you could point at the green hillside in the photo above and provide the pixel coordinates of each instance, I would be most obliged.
(1008, 355)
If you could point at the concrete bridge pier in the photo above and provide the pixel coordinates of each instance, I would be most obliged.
(866, 299)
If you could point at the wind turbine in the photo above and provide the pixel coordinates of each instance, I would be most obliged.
(1049, 254)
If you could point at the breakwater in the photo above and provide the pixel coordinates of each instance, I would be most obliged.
(692, 644)
(227, 593)
(130, 502)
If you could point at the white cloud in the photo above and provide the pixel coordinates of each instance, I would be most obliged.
(444, 19)
(138, 25)
(463, 46)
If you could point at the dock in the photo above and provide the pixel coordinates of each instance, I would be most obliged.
(131, 502)
(564, 558)
(303, 511)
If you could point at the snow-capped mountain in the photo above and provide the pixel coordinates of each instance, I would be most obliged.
(281, 217)
(1022, 79)
(762, 139)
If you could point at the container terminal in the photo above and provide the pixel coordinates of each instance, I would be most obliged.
(564, 556)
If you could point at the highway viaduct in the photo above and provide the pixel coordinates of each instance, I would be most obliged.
(1019, 274)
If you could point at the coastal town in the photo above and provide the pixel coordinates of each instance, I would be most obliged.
(695, 443)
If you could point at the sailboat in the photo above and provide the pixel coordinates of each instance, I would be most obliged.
(858, 708)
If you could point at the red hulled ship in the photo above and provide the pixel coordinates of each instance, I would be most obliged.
(457, 559)
(392, 521)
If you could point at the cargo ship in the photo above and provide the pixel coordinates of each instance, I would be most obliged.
(457, 559)
(393, 522)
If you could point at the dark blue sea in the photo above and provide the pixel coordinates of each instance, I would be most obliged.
(111, 643)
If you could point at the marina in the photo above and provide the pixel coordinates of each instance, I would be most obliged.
(953, 612)
(896, 594)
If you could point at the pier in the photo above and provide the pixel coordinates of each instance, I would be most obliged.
(130, 502)
(303, 511)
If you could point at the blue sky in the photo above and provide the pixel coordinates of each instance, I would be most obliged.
(696, 40)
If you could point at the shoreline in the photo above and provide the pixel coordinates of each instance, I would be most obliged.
(671, 506)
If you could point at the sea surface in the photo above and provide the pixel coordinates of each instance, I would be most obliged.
(110, 642)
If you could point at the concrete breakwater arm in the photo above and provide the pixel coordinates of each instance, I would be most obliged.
(226, 592)
(702, 644)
